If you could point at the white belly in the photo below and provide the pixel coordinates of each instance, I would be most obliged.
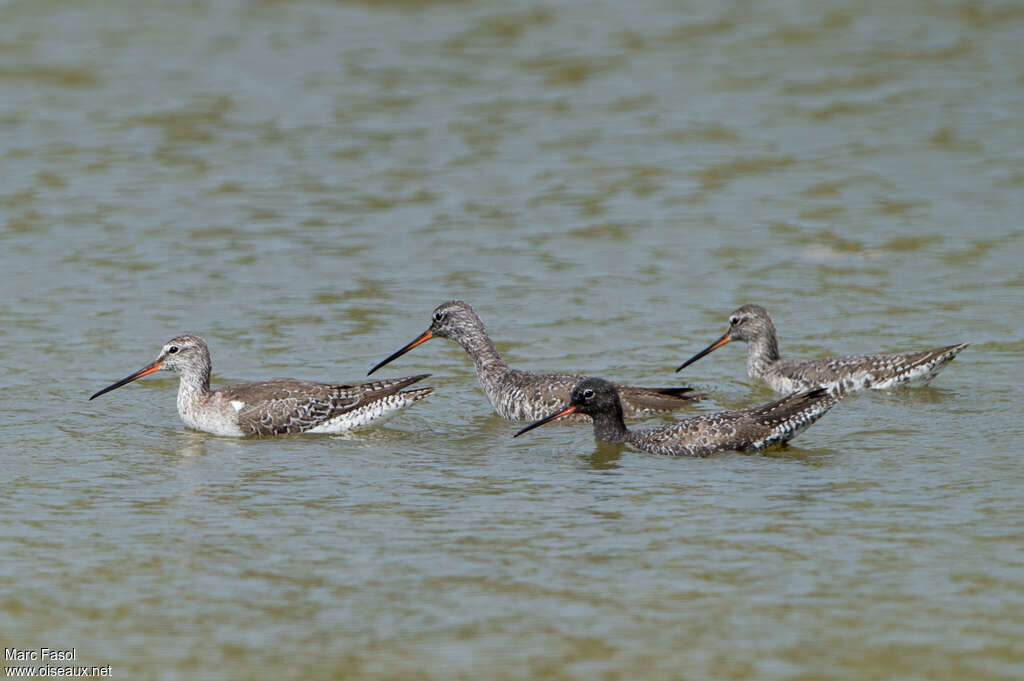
(211, 420)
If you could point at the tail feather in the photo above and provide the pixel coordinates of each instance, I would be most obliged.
(637, 400)
(417, 394)
(785, 418)
(941, 355)
(386, 386)
(924, 366)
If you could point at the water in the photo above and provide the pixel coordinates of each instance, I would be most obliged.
(301, 183)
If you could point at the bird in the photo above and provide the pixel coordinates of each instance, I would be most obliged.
(752, 325)
(770, 424)
(522, 395)
(274, 407)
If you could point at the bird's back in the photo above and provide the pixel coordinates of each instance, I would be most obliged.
(748, 429)
(289, 405)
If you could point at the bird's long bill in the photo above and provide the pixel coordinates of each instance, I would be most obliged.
(145, 371)
(708, 350)
(420, 340)
(571, 409)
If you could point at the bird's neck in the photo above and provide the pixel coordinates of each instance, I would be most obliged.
(609, 426)
(193, 387)
(478, 345)
(762, 352)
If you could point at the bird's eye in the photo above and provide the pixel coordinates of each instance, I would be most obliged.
(588, 393)
(173, 349)
(438, 316)
(733, 321)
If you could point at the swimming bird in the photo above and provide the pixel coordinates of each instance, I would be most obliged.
(745, 430)
(279, 406)
(523, 395)
(752, 325)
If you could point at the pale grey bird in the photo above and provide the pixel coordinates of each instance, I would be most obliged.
(752, 325)
(524, 395)
(284, 405)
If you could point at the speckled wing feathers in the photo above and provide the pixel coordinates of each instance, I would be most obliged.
(526, 396)
(748, 429)
(784, 419)
(640, 401)
(293, 406)
(855, 372)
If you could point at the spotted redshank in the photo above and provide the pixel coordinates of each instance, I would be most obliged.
(271, 407)
(752, 325)
(522, 395)
(770, 424)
